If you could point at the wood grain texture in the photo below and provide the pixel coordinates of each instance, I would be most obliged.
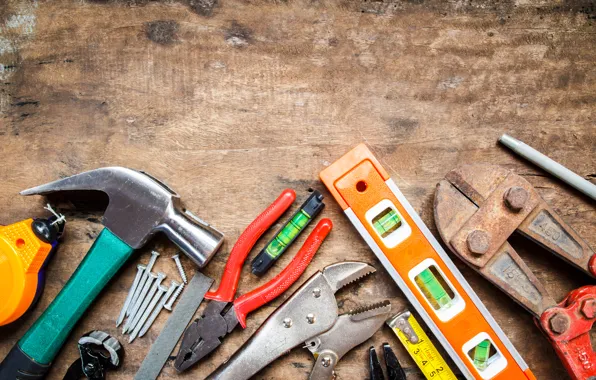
(231, 101)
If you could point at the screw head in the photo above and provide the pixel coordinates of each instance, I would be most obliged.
(559, 323)
(316, 292)
(287, 323)
(478, 242)
(588, 308)
(515, 198)
(310, 318)
(326, 361)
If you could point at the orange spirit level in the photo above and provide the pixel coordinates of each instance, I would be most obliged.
(421, 268)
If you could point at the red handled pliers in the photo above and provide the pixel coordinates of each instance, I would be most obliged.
(223, 313)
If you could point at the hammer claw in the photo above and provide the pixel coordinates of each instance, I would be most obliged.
(96, 179)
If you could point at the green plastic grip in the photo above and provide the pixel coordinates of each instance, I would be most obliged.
(43, 340)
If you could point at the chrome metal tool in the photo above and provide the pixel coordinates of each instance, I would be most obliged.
(220, 318)
(310, 317)
(139, 207)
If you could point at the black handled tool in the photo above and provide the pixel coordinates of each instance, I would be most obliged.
(288, 233)
(394, 369)
(94, 362)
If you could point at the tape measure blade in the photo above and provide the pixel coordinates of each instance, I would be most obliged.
(436, 360)
(424, 353)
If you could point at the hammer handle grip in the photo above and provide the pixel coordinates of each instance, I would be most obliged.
(44, 339)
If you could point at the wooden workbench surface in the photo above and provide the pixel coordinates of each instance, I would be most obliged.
(231, 101)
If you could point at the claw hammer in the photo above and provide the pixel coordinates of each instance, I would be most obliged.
(139, 206)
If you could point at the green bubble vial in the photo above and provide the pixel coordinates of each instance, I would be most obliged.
(386, 222)
(287, 234)
(433, 290)
(482, 354)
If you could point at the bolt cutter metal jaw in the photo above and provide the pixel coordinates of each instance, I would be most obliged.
(477, 208)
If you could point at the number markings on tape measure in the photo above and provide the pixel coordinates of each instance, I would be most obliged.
(419, 346)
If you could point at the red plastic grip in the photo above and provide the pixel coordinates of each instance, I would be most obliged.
(573, 345)
(592, 265)
(252, 233)
(280, 283)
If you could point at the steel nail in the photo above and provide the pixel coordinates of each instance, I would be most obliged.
(148, 269)
(146, 301)
(174, 285)
(133, 287)
(139, 301)
(161, 290)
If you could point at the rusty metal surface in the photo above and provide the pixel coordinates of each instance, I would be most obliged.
(493, 219)
(545, 227)
(508, 200)
(477, 182)
(477, 208)
(510, 274)
(505, 269)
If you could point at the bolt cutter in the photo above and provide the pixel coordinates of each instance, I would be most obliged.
(477, 208)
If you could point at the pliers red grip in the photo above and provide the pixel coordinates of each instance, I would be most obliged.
(280, 283)
(222, 315)
(252, 233)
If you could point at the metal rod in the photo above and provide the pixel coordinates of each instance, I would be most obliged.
(549, 165)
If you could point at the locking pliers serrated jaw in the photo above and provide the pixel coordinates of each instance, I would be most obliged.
(349, 331)
(309, 315)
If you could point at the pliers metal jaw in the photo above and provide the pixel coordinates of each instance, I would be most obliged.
(93, 362)
(349, 331)
(310, 317)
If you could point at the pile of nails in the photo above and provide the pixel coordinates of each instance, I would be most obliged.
(147, 297)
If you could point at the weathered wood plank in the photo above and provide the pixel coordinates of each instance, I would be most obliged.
(230, 102)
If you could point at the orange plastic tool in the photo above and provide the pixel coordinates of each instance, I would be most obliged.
(24, 248)
(421, 268)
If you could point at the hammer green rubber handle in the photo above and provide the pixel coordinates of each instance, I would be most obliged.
(43, 340)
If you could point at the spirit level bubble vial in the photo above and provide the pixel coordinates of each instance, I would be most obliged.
(421, 268)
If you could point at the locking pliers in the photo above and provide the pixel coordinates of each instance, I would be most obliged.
(93, 361)
(310, 317)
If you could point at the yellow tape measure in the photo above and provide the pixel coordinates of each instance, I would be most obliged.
(419, 346)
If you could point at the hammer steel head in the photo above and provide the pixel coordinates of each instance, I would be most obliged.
(139, 206)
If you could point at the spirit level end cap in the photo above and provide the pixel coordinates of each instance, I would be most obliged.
(344, 165)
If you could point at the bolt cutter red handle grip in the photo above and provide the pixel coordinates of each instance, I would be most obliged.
(280, 283)
(568, 326)
(252, 233)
